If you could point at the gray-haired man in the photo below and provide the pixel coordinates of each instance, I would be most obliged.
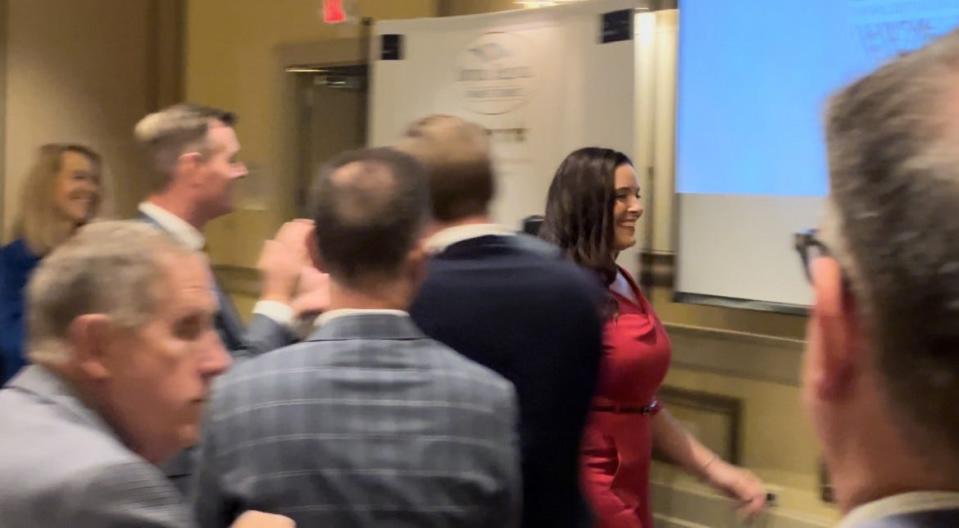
(124, 350)
(881, 373)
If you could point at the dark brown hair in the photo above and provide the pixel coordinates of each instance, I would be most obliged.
(579, 209)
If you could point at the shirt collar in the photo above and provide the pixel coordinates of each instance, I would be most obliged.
(452, 235)
(177, 227)
(326, 317)
(903, 503)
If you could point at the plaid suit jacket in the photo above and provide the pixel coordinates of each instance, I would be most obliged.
(366, 423)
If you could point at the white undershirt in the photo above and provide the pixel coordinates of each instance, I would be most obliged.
(622, 286)
(191, 237)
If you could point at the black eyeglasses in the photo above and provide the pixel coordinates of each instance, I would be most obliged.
(810, 248)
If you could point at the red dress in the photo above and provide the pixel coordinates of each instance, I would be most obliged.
(617, 443)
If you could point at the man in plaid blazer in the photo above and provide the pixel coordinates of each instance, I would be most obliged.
(367, 422)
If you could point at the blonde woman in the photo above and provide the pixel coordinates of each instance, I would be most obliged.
(63, 191)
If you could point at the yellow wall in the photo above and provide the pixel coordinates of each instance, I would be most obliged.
(776, 440)
(472, 7)
(84, 72)
(234, 60)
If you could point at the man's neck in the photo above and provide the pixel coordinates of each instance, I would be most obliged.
(183, 209)
(871, 459)
(394, 295)
(438, 226)
(95, 397)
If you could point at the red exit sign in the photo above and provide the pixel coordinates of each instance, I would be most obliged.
(334, 11)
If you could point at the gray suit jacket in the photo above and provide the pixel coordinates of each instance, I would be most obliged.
(61, 465)
(366, 423)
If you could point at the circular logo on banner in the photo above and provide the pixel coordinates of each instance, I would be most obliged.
(495, 73)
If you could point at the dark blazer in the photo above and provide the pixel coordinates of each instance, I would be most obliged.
(17, 262)
(510, 303)
(62, 465)
(367, 423)
(262, 335)
(922, 519)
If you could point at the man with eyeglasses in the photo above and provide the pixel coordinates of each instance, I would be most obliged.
(881, 368)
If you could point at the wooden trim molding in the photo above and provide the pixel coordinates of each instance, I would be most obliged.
(331, 52)
(4, 49)
(166, 29)
(729, 409)
(657, 269)
(681, 505)
(751, 356)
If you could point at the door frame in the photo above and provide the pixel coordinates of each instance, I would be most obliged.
(347, 51)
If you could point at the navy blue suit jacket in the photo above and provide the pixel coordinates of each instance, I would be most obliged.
(17, 262)
(510, 303)
(262, 335)
(923, 519)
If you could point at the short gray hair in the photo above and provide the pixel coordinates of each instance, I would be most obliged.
(115, 268)
(173, 131)
(893, 138)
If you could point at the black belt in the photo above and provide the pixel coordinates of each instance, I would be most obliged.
(652, 408)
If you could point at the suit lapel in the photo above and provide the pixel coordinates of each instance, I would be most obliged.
(228, 323)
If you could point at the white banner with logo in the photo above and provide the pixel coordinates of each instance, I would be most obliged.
(540, 80)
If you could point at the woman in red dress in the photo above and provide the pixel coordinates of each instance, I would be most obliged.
(591, 213)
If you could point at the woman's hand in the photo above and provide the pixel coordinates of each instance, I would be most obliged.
(739, 484)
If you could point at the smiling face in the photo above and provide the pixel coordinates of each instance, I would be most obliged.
(628, 207)
(77, 189)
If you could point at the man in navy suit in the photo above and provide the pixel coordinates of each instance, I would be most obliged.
(881, 369)
(507, 301)
(193, 155)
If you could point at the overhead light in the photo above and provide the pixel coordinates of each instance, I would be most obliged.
(304, 69)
